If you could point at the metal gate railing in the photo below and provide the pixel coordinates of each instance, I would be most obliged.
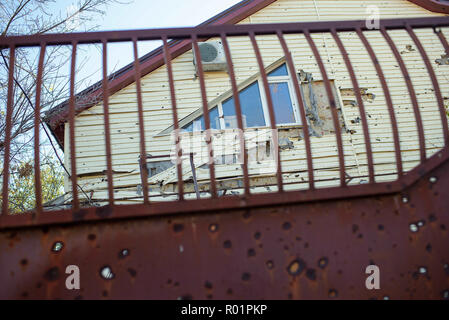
(194, 36)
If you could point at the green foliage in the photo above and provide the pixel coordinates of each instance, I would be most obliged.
(22, 188)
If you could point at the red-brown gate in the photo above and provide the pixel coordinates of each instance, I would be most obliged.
(313, 243)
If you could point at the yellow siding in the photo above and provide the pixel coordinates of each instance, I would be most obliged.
(157, 105)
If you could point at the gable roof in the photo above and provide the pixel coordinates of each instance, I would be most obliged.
(439, 6)
(57, 116)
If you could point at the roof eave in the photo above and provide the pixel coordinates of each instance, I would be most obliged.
(148, 63)
(153, 60)
(433, 5)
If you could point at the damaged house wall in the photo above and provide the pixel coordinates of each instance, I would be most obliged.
(90, 155)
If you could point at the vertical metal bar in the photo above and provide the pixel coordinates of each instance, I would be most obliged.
(37, 119)
(443, 40)
(411, 91)
(8, 128)
(355, 85)
(76, 204)
(434, 82)
(143, 152)
(195, 182)
(213, 187)
(167, 57)
(238, 111)
(302, 109)
(270, 110)
(331, 98)
(394, 125)
(446, 48)
(107, 133)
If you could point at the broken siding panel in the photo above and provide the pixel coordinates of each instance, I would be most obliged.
(418, 73)
(157, 104)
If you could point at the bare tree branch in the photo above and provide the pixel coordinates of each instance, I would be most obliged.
(28, 17)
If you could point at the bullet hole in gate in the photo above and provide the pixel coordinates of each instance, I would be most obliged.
(333, 293)
(246, 215)
(57, 246)
(322, 263)
(52, 274)
(208, 285)
(213, 227)
(178, 227)
(311, 274)
(296, 267)
(422, 270)
(286, 225)
(413, 227)
(132, 272)
(123, 253)
(106, 273)
(246, 276)
(445, 294)
(227, 244)
(91, 237)
(251, 252)
(446, 268)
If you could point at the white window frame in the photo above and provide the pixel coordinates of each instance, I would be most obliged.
(263, 97)
(280, 79)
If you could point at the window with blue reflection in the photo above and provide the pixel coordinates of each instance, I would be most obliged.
(251, 105)
(279, 71)
(282, 104)
(199, 125)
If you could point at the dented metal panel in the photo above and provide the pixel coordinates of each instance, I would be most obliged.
(313, 243)
(316, 250)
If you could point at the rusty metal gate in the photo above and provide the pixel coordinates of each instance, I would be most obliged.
(306, 244)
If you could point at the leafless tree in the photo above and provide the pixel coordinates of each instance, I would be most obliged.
(31, 17)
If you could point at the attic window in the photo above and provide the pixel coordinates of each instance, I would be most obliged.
(254, 105)
(251, 105)
(198, 124)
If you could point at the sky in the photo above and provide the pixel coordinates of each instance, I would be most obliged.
(126, 15)
(138, 14)
(141, 14)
